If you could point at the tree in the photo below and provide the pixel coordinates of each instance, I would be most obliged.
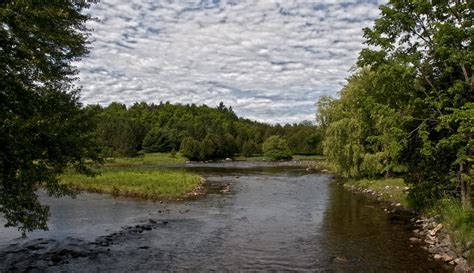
(276, 148)
(435, 40)
(191, 148)
(120, 135)
(249, 148)
(161, 140)
(42, 127)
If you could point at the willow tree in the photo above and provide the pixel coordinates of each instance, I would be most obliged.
(43, 130)
(435, 39)
(363, 129)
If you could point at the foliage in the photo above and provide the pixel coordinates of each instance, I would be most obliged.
(161, 140)
(146, 159)
(124, 131)
(42, 128)
(276, 148)
(191, 148)
(409, 105)
(434, 40)
(459, 221)
(120, 136)
(249, 148)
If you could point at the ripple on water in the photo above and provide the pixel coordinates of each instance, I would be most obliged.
(273, 219)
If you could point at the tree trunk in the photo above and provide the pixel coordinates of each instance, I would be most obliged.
(465, 187)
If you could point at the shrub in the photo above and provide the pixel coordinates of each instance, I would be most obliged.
(276, 148)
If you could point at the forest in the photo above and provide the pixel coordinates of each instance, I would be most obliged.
(199, 132)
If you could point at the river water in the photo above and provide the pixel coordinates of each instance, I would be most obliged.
(274, 218)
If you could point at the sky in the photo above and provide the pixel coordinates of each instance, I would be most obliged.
(270, 60)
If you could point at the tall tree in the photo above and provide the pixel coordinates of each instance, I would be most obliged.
(435, 38)
(42, 127)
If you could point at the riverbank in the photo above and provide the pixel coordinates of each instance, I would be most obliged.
(446, 230)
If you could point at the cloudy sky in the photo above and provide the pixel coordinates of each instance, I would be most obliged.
(269, 59)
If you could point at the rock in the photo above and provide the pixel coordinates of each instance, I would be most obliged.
(415, 240)
(432, 249)
(430, 242)
(228, 159)
(436, 229)
(431, 238)
(445, 257)
(226, 189)
(56, 258)
(340, 259)
(437, 256)
(466, 254)
(462, 267)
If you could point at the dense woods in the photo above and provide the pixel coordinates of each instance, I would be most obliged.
(199, 132)
(408, 110)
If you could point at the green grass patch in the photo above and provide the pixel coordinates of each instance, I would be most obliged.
(149, 184)
(391, 189)
(459, 221)
(146, 159)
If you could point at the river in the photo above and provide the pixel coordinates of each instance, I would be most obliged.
(274, 218)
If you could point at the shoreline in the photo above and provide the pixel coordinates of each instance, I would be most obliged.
(430, 233)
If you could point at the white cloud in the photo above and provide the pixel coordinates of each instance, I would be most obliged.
(270, 60)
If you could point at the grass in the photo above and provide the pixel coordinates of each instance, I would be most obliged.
(459, 222)
(146, 159)
(148, 184)
(390, 189)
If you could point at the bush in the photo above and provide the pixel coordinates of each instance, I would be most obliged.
(276, 148)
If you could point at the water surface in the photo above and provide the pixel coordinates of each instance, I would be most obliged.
(274, 218)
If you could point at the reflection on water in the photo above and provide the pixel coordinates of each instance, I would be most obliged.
(275, 218)
(361, 237)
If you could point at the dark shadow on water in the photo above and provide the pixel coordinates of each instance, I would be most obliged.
(361, 237)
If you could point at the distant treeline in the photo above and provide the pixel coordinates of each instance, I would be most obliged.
(199, 132)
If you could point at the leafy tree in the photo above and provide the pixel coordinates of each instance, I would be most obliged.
(161, 140)
(42, 127)
(122, 136)
(276, 148)
(191, 148)
(249, 148)
(303, 140)
(435, 39)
